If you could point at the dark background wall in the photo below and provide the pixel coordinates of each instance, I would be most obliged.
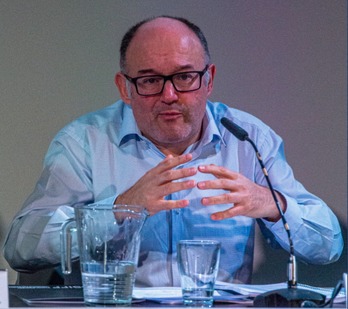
(284, 61)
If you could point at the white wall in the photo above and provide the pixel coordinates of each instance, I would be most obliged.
(284, 61)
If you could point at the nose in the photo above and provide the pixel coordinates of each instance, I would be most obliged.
(169, 93)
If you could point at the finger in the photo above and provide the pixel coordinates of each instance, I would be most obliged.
(223, 183)
(173, 187)
(171, 175)
(217, 171)
(228, 198)
(165, 171)
(170, 162)
(226, 214)
(167, 205)
(218, 216)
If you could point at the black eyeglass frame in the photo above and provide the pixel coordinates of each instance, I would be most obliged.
(133, 80)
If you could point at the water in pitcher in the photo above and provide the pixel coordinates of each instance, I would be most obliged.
(108, 284)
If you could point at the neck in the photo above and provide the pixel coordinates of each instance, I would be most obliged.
(171, 150)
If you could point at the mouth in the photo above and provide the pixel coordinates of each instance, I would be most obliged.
(170, 115)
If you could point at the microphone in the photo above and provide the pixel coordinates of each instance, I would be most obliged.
(290, 296)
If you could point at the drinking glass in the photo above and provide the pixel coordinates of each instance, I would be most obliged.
(198, 262)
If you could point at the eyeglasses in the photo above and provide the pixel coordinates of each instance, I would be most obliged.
(154, 84)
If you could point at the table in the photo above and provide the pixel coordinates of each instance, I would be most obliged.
(17, 294)
(28, 296)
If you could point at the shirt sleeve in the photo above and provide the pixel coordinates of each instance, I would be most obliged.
(314, 228)
(33, 241)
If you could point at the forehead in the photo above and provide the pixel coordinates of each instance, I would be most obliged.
(164, 43)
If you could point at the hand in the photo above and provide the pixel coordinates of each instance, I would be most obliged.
(150, 190)
(249, 199)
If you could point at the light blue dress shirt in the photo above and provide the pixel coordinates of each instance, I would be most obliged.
(102, 154)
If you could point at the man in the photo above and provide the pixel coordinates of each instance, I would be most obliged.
(163, 147)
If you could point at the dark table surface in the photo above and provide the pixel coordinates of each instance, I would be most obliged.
(72, 296)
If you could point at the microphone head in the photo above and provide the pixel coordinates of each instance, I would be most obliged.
(236, 130)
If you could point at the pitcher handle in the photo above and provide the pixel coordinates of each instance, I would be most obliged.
(68, 228)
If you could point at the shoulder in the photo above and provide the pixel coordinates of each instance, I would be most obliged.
(112, 113)
(103, 120)
(266, 139)
(247, 121)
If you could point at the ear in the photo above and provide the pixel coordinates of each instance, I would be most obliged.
(212, 71)
(121, 84)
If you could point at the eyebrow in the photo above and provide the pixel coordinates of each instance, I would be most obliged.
(154, 72)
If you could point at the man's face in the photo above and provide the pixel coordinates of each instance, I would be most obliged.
(171, 120)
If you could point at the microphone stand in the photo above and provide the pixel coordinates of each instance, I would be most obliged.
(291, 296)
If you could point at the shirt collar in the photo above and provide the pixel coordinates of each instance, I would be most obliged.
(211, 132)
(129, 128)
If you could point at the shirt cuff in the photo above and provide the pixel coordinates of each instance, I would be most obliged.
(293, 216)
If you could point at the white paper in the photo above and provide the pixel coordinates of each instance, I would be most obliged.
(226, 292)
(173, 295)
(3, 288)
